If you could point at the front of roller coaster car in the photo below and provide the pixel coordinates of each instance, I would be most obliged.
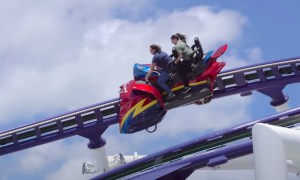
(141, 107)
(143, 104)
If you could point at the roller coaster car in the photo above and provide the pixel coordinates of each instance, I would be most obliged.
(143, 104)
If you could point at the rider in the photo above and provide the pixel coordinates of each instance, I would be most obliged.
(160, 59)
(186, 53)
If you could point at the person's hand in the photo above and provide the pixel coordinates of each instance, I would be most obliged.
(147, 78)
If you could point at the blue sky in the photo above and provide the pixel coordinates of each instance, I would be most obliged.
(274, 21)
(59, 56)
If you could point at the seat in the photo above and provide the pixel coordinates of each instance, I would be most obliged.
(197, 48)
(195, 63)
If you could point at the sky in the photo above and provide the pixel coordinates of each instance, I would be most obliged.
(57, 56)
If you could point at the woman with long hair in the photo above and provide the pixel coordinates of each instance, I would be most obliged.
(185, 55)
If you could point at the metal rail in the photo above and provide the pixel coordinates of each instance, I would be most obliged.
(62, 117)
(251, 77)
(201, 146)
(98, 116)
(268, 78)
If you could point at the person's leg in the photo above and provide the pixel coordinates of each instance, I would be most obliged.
(185, 68)
(181, 73)
(162, 79)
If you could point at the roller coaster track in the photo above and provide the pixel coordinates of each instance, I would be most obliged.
(207, 151)
(90, 122)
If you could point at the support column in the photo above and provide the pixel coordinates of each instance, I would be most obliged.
(279, 100)
(282, 107)
(98, 148)
(97, 145)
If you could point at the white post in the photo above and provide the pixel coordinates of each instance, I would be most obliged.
(282, 107)
(272, 147)
(101, 159)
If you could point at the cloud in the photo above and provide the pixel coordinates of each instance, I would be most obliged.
(49, 161)
(59, 56)
(62, 60)
(255, 53)
(70, 170)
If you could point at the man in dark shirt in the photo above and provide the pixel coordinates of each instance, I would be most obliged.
(161, 59)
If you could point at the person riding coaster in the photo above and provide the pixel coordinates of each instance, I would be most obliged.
(143, 103)
(197, 66)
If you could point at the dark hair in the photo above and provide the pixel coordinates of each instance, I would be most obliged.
(156, 47)
(179, 36)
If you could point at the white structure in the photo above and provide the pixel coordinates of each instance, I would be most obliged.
(105, 163)
(282, 107)
(276, 151)
(101, 164)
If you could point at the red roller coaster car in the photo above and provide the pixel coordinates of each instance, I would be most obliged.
(143, 104)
